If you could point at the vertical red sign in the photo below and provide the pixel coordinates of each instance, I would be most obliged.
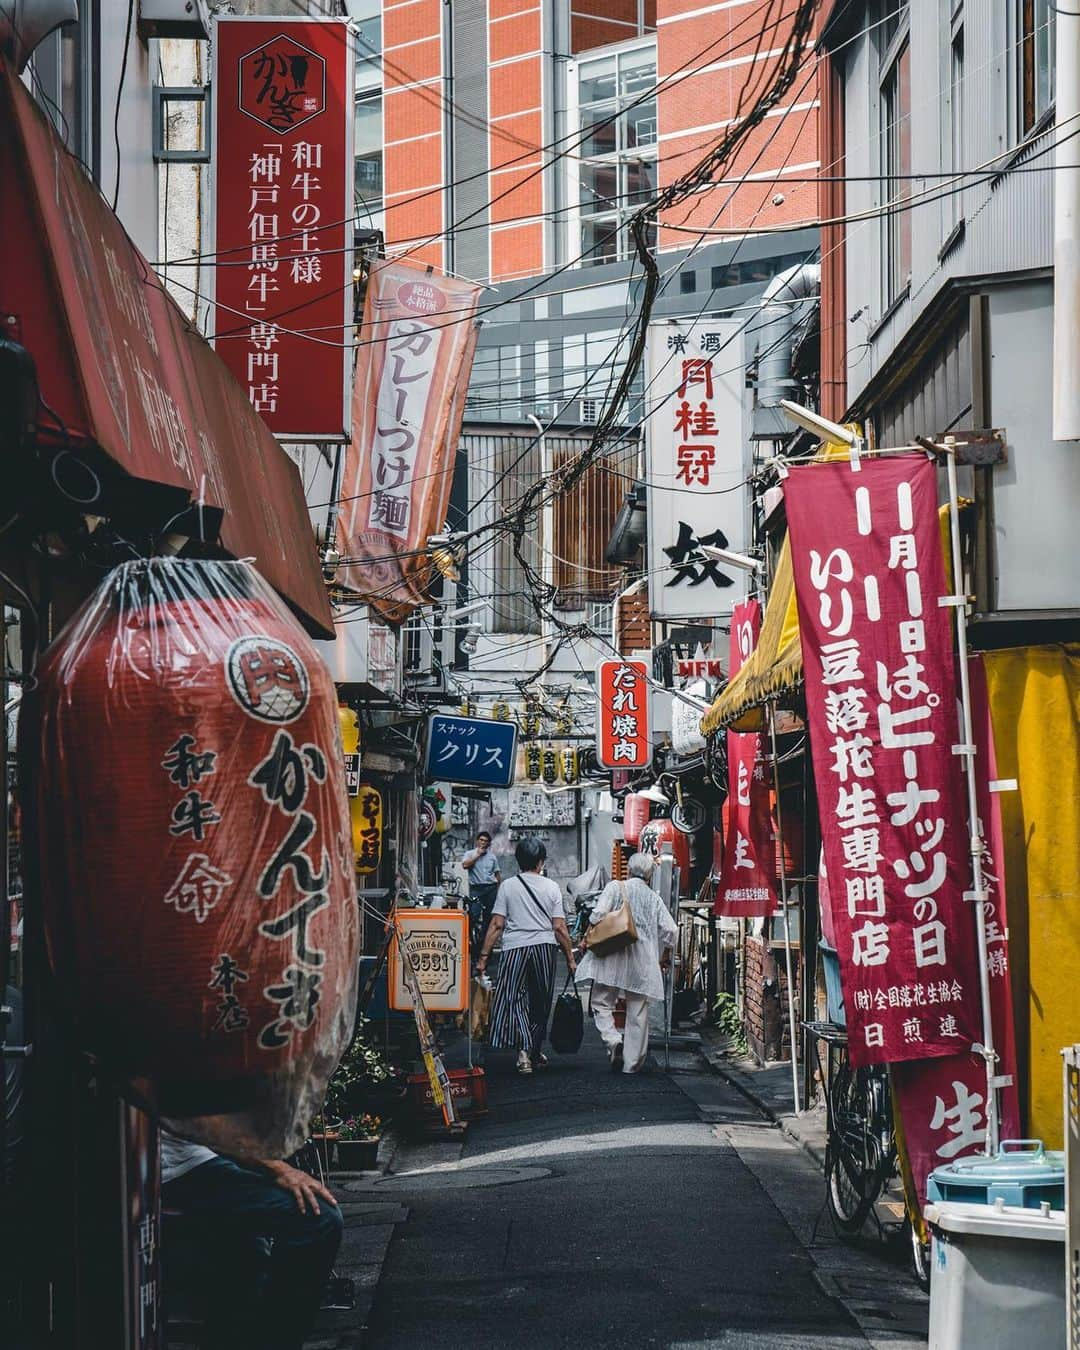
(747, 888)
(942, 1102)
(623, 737)
(881, 701)
(283, 172)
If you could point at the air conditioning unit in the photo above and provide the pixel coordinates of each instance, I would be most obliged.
(544, 411)
(590, 411)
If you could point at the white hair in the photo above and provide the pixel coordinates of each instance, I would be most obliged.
(641, 865)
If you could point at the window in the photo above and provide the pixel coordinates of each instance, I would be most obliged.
(592, 364)
(495, 385)
(895, 132)
(617, 112)
(687, 283)
(368, 133)
(758, 270)
(954, 203)
(1035, 34)
(368, 151)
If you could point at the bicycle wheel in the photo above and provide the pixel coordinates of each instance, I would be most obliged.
(853, 1159)
(848, 1206)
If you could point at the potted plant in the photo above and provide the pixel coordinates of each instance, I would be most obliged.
(358, 1143)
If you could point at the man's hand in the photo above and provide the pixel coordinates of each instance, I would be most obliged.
(304, 1189)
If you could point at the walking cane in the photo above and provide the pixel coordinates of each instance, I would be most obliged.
(669, 990)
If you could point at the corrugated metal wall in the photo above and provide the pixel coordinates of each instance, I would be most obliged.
(505, 464)
(936, 395)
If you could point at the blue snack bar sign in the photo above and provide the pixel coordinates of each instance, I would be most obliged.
(471, 750)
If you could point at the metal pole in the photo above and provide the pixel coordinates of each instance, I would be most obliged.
(975, 843)
(794, 1025)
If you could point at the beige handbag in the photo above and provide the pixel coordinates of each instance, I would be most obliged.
(614, 931)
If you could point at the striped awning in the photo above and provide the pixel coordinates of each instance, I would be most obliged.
(775, 666)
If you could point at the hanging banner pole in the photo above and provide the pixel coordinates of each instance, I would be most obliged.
(784, 901)
(958, 600)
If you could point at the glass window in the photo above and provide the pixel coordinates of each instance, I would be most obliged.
(1035, 31)
(687, 283)
(895, 142)
(368, 151)
(955, 201)
(617, 171)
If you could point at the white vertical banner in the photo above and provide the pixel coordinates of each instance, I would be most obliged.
(695, 463)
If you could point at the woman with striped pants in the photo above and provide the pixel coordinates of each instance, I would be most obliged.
(528, 913)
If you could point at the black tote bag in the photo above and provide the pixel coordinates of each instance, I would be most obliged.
(567, 1022)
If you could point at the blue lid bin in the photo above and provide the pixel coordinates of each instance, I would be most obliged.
(1024, 1174)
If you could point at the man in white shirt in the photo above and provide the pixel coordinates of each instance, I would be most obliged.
(254, 1302)
(484, 877)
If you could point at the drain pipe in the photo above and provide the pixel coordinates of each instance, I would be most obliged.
(783, 305)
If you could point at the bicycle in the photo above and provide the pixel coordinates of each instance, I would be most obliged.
(861, 1155)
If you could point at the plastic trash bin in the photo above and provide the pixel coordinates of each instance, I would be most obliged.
(1023, 1173)
(998, 1277)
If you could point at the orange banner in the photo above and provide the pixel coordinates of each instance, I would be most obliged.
(412, 374)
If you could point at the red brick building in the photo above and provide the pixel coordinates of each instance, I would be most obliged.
(532, 129)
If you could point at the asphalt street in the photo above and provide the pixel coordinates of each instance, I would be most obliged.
(602, 1210)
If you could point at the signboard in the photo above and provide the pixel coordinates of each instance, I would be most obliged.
(412, 373)
(700, 667)
(531, 808)
(471, 750)
(366, 813)
(352, 774)
(437, 942)
(623, 733)
(881, 699)
(283, 185)
(747, 888)
(942, 1102)
(695, 461)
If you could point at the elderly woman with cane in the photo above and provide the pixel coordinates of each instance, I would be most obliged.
(633, 971)
(528, 914)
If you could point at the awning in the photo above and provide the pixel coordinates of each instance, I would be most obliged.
(121, 369)
(775, 665)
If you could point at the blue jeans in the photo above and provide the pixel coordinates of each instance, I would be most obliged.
(256, 1300)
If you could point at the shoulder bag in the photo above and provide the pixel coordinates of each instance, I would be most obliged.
(615, 930)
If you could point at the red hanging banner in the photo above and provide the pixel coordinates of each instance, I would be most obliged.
(747, 880)
(881, 703)
(942, 1102)
(623, 737)
(283, 184)
(412, 373)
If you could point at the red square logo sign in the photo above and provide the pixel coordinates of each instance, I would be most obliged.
(282, 84)
(623, 737)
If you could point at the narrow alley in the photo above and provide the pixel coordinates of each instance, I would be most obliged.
(616, 1211)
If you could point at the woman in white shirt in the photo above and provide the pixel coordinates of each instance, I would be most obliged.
(632, 974)
(529, 914)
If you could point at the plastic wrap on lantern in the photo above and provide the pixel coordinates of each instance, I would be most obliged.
(194, 849)
(549, 765)
(659, 832)
(636, 810)
(568, 762)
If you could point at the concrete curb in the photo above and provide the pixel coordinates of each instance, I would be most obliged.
(807, 1130)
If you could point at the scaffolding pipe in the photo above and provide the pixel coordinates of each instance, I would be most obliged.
(979, 895)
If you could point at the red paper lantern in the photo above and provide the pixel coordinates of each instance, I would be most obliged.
(636, 810)
(194, 847)
(659, 832)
